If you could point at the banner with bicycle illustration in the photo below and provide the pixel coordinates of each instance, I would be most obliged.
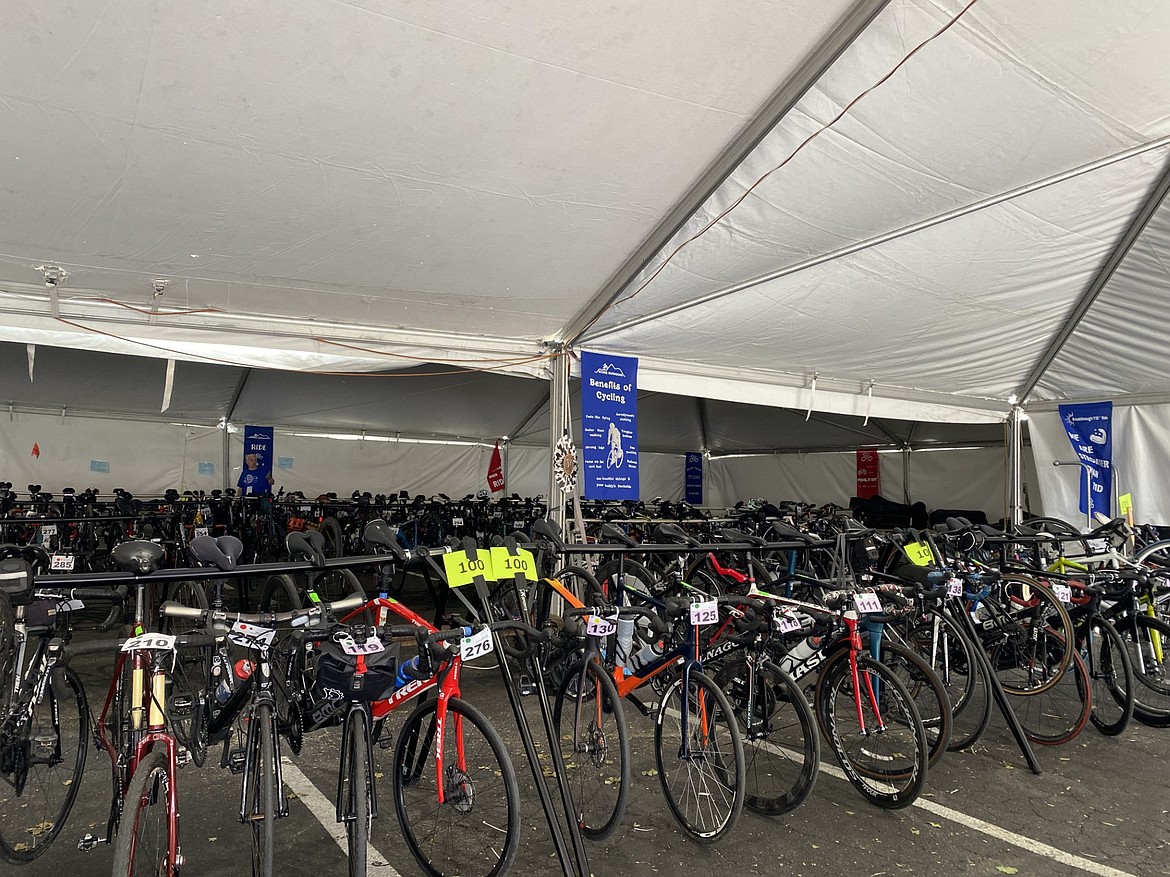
(609, 423)
(1090, 429)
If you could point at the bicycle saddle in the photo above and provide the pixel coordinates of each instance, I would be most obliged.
(548, 529)
(612, 534)
(786, 531)
(16, 580)
(673, 534)
(138, 556)
(733, 535)
(308, 546)
(378, 533)
(221, 552)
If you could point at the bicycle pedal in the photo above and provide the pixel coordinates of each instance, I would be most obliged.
(526, 685)
(181, 705)
(236, 759)
(89, 841)
(183, 756)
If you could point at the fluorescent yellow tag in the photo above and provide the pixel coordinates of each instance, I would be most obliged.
(508, 565)
(919, 553)
(462, 571)
(1125, 503)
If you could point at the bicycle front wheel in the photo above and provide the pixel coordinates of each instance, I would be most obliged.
(1148, 642)
(700, 758)
(1059, 712)
(780, 743)
(357, 784)
(595, 743)
(146, 846)
(41, 764)
(260, 801)
(1111, 677)
(885, 754)
(475, 830)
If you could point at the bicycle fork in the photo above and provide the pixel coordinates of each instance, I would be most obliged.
(851, 621)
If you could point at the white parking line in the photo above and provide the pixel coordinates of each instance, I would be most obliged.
(326, 813)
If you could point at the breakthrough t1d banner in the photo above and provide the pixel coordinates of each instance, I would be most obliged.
(609, 422)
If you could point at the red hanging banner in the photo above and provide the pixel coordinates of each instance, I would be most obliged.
(495, 475)
(869, 476)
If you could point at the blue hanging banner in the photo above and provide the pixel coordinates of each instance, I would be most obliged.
(609, 421)
(1090, 429)
(256, 475)
(693, 479)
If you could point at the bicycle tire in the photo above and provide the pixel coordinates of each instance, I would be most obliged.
(596, 760)
(951, 655)
(1147, 640)
(357, 784)
(279, 594)
(1043, 638)
(481, 798)
(7, 653)
(715, 746)
(891, 779)
(1111, 678)
(782, 749)
(1059, 713)
(144, 843)
(927, 690)
(635, 576)
(261, 807)
(189, 677)
(27, 829)
(334, 541)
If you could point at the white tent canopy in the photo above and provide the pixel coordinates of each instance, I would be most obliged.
(932, 208)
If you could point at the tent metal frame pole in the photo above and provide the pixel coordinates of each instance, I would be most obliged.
(886, 237)
(850, 26)
(1141, 219)
(546, 402)
(1015, 448)
(558, 424)
(701, 407)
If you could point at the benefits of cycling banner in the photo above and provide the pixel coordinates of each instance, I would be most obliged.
(609, 415)
(1090, 429)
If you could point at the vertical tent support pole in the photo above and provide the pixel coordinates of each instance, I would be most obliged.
(558, 414)
(227, 452)
(1015, 466)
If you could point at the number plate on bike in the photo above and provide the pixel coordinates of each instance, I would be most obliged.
(477, 645)
(251, 635)
(598, 626)
(867, 601)
(1063, 593)
(457, 522)
(48, 530)
(158, 642)
(371, 646)
(704, 612)
(62, 563)
(787, 622)
(954, 587)
(202, 531)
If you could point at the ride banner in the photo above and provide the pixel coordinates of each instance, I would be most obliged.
(869, 473)
(256, 475)
(1090, 429)
(693, 479)
(609, 423)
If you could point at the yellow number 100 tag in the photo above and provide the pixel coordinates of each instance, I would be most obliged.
(509, 565)
(462, 570)
(919, 553)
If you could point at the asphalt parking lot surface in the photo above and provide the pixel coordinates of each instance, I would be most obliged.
(1100, 806)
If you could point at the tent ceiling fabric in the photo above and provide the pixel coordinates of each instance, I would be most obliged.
(353, 186)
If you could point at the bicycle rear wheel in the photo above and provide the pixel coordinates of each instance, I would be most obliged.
(41, 765)
(780, 743)
(475, 831)
(145, 846)
(886, 757)
(946, 647)
(279, 594)
(595, 743)
(701, 765)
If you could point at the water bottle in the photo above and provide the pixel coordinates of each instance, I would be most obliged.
(643, 657)
(625, 641)
(402, 679)
(804, 648)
